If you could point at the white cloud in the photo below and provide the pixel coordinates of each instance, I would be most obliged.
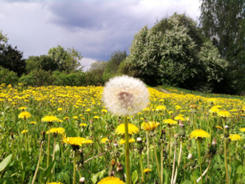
(86, 63)
(94, 28)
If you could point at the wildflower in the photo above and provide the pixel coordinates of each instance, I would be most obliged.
(242, 129)
(111, 180)
(150, 125)
(83, 124)
(125, 96)
(66, 118)
(160, 108)
(147, 170)
(235, 137)
(24, 131)
(179, 118)
(75, 117)
(54, 183)
(199, 133)
(170, 122)
(131, 129)
(223, 114)
(76, 141)
(24, 115)
(104, 110)
(122, 141)
(33, 122)
(96, 117)
(104, 140)
(22, 108)
(56, 130)
(60, 109)
(50, 119)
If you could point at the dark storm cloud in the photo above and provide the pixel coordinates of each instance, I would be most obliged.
(97, 15)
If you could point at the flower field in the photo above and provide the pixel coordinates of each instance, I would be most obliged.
(68, 135)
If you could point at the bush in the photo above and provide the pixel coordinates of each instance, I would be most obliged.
(37, 77)
(8, 77)
(71, 79)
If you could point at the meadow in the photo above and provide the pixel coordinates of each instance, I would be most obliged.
(66, 135)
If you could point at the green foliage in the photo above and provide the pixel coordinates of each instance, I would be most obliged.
(37, 77)
(8, 77)
(175, 52)
(226, 30)
(43, 62)
(71, 79)
(11, 58)
(67, 60)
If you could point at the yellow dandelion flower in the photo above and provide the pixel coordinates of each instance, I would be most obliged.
(199, 133)
(170, 112)
(75, 117)
(66, 118)
(235, 137)
(224, 114)
(242, 129)
(88, 110)
(179, 118)
(22, 108)
(177, 107)
(96, 117)
(33, 122)
(147, 170)
(76, 141)
(160, 108)
(83, 124)
(122, 141)
(150, 125)
(104, 110)
(111, 180)
(24, 131)
(104, 140)
(170, 122)
(24, 115)
(55, 183)
(219, 127)
(60, 109)
(58, 130)
(50, 119)
(132, 129)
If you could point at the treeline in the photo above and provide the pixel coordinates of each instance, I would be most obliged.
(206, 57)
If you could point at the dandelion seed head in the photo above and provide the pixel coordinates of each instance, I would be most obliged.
(125, 96)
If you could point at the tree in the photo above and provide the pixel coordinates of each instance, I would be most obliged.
(12, 59)
(175, 52)
(42, 62)
(224, 23)
(3, 38)
(116, 58)
(67, 60)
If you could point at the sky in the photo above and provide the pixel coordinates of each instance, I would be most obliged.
(96, 28)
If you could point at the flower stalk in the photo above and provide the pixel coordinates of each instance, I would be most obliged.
(127, 161)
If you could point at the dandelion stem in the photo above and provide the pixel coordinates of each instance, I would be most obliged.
(194, 179)
(158, 168)
(141, 168)
(148, 149)
(161, 163)
(176, 171)
(74, 168)
(172, 177)
(127, 152)
(200, 161)
(34, 177)
(226, 166)
(48, 150)
(203, 174)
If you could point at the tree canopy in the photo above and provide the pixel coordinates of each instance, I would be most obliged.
(175, 52)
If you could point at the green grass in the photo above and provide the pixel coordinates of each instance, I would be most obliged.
(182, 91)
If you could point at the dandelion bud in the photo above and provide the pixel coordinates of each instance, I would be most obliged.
(119, 172)
(82, 180)
(181, 132)
(12, 135)
(213, 148)
(139, 145)
(226, 134)
(189, 156)
(43, 134)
